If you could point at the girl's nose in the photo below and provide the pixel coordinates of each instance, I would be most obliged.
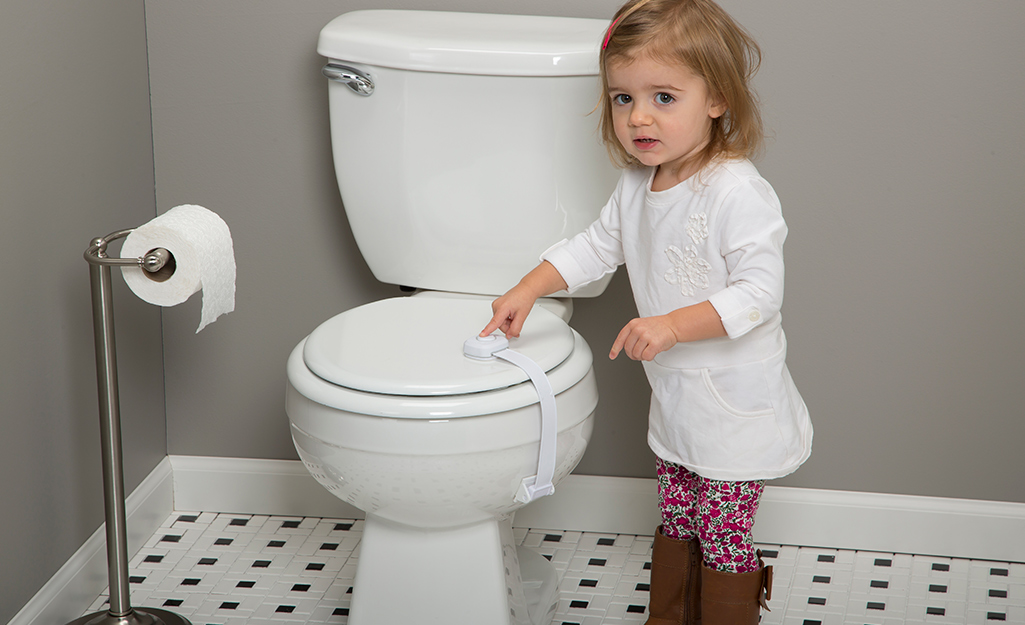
(639, 116)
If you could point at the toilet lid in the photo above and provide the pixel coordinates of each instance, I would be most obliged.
(412, 346)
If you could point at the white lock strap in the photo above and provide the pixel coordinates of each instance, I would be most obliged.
(494, 346)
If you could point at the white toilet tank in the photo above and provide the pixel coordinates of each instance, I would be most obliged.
(477, 148)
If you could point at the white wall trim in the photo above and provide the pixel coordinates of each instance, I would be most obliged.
(74, 587)
(961, 528)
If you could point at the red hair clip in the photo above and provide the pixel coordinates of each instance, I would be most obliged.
(608, 33)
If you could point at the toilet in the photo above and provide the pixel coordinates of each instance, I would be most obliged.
(464, 147)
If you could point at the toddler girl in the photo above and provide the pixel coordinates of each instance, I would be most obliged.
(701, 234)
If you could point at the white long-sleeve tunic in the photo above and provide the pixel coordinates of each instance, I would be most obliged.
(725, 408)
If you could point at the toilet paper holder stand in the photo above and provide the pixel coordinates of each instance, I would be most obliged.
(159, 265)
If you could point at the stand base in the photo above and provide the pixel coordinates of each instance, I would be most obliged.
(138, 616)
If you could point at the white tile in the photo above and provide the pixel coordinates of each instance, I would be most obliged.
(236, 577)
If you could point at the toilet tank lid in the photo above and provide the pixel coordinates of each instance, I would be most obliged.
(466, 43)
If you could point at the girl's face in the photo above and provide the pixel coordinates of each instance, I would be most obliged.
(662, 115)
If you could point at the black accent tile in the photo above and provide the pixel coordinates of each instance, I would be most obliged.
(135, 579)
(300, 588)
(276, 543)
(261, 564)
(635, 609)
(228, 605)
(578, 604)
(999, 572)
(154, 559)
(173, 603)
(191, 581)
(188, 518)
(937, 588)
(884, 562)
(809, 621)
(239, 522)
(314, 566)
(821, 579)
(224, 542)
(647, 566)
(552, 538)
(568, 623)
(875, 605)
(548, 557)
(816, 601)
(329, 546)
(771, 554)
(597, 562)
(291, 525)
(936, 611)
(589, 583)
(607, 542)
(285, 609)
(996, 616)
(340, 612)
(245, 584)
(208, 561)
(936, 566)
(878, 583)
(171, 538)
(825, 558)
(643, 587)
(343, 527)
(998, 594)
(349, 591)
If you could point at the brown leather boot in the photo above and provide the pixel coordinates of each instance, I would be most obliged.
(675, 581)
(734, 598)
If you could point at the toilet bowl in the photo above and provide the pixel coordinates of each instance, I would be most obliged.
(463, 148)
(432, 445)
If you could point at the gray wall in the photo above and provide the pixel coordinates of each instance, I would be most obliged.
(896, 149)
(76, 162)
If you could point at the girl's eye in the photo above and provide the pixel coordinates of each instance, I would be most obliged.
(664, 98)
(621, 98)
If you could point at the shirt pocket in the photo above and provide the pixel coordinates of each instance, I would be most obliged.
(740, 390)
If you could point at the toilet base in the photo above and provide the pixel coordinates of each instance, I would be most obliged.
(473, 575)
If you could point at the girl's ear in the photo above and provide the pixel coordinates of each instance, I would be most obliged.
(718, 108)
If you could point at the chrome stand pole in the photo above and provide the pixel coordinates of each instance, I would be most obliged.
(120, 611)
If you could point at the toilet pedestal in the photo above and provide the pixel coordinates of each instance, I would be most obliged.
(471, 575)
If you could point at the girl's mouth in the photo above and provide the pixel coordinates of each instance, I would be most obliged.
(645, 143)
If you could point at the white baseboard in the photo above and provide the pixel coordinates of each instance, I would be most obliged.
(83, 577)
(937, 526)
(960, 528)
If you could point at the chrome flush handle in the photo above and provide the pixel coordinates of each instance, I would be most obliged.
(351, 77)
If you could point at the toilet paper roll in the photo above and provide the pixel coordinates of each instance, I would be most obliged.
(204, 259)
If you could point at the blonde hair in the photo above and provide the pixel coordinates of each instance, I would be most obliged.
(699, 35)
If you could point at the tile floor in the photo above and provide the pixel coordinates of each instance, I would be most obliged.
(232, 569)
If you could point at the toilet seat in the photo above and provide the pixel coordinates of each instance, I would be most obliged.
(403, 357)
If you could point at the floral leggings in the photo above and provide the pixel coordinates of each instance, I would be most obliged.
(720, 514)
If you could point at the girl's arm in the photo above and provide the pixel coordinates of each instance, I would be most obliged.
(511, 309)
(645, 337)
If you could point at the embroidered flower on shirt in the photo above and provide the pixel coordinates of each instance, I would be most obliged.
(689, 271)
(697, 228)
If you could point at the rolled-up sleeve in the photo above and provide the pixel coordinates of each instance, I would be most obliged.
(752, 233)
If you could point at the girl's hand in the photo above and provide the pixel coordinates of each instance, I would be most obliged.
(644, 338)
(647, 337)
(510, 311)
